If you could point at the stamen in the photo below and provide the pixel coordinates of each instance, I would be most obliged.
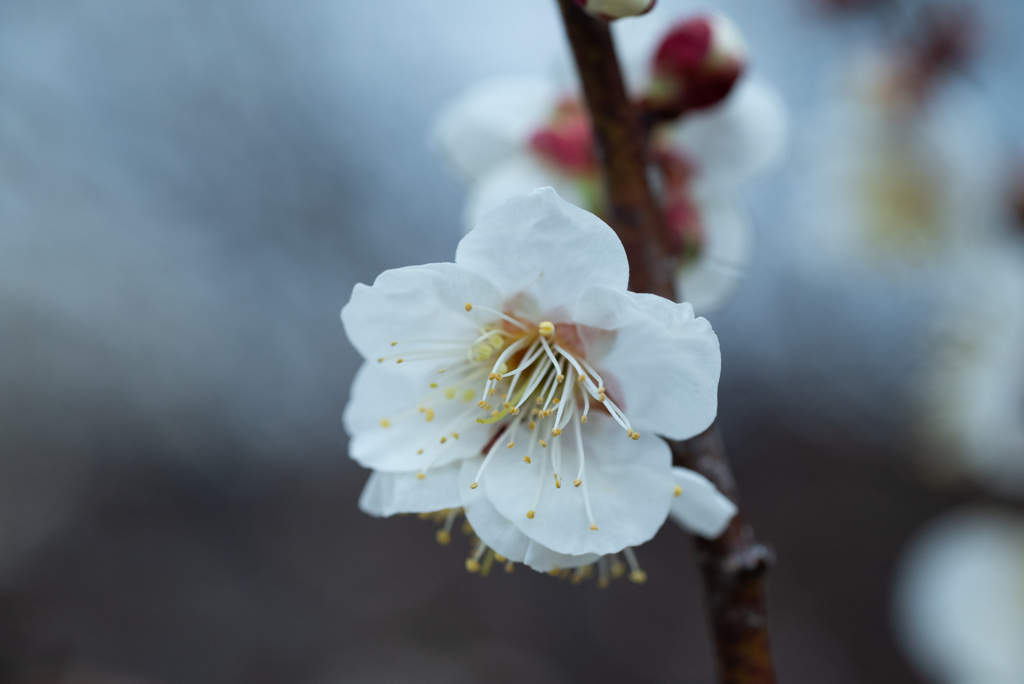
(579, 450)
(480, 473)
(566, 393)
(444, 536)
(385, 423)
(473, 562)
(677, 491)
(603, 580)
(529, 450)
(470, 307)
(546, 328)
(540, 483)
(512, 432)
(586, 505)
(636, 575)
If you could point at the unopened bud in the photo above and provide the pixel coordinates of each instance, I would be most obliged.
(616, 9)
(696, 65)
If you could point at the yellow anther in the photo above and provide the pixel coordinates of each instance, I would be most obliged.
(583, 420)
(490, 392)
(444, 537)
(511, 444)
(677, 491)
(577, 482)
(421, 476)
(540, 400)
(474, 485)
(380, 359)
(638, 577)
(555, 572)
(468, 395)
(469, 307)
(559, 378)
(556, 400)
(542, 442)
(449, 393)
(455, 435)
(491, 376)
(433, 385)
(636, 436)
(629, 432)
(558, 482)
(471, 564)
(385, 423)
(442, 370)
(603, 582)
(443, 440)
(601, 389)
(430, 414)
(555, 432)
(498, 557)
(420, 451)
(482, 403)
(583, 378)
(497, 377)
(527, 459)
(495, 413)
(509, 566)
(600, 397)
(484, 351)
(505, 405)
(546, 328)
(399, 360)
(495, 340)
(532, 425)
(593, 526)
(530, 514)
(618, 569)
(394, 343)
(422, 409)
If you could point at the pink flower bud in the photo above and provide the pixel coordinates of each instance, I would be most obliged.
(696, 65)
(616, 9)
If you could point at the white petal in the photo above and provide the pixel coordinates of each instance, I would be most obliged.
(389, 493)
(540, 246)
(380, 393)
(664, 364)
(709, 281)
(492, 121)
(520, 174)
(543, 559)
(416, 302)
(629, 484)
(743, 136)
(700, 509)
(493, 528)
(958, 605)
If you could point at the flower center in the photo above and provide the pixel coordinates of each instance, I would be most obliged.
(528, 377)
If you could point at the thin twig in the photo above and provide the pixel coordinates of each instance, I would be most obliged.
(734, 565)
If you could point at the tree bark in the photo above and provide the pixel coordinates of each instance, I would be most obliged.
(733, 566)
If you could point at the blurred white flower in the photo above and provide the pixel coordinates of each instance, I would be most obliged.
(903, 167)
(506, 136)
(616, 9)
(959, 599)
(516, 384)
(973, 390)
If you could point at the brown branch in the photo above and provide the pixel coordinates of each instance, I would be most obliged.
(634, 214)
(734, 565)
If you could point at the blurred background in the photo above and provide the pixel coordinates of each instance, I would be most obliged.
(189, 191)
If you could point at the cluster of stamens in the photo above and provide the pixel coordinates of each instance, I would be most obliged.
(482, 558)
(521, 375)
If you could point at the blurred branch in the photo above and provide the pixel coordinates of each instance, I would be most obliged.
(734, 565)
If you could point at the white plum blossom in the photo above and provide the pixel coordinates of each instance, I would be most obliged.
(508, 135)
(898, 172)
(959, 603)
(973, 384)
(524, 385)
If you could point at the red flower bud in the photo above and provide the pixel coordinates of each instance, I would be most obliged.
(696, 65)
